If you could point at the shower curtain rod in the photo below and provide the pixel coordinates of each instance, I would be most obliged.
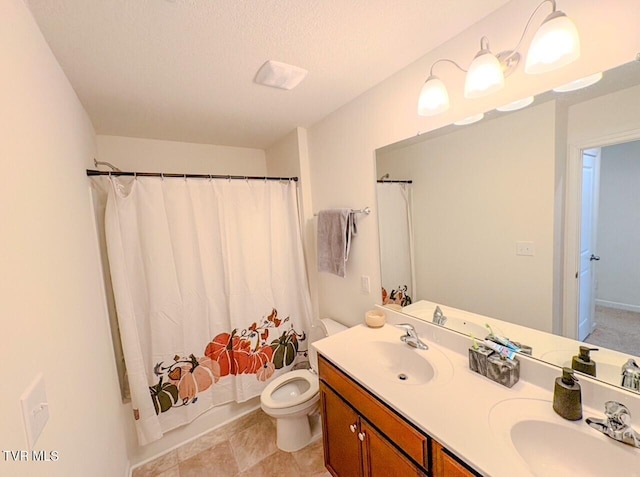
(92, 172)
(392, 181)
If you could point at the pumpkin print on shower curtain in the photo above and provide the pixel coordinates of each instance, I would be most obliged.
(285, 349)
(230, 352)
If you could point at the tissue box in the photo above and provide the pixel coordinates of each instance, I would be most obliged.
(478, 359)
(503, 370)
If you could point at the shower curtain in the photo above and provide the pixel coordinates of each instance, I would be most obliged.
(210, 290)
(396, 242)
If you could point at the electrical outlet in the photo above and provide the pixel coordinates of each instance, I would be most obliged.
(365, 284)
(525, 248)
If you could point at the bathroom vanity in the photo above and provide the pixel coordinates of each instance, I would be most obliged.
(365, 437)
(389, 409)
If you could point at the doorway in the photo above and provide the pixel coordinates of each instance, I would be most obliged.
(609, 271)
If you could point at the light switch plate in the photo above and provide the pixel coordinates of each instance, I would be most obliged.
(35, 409)
(365, 284)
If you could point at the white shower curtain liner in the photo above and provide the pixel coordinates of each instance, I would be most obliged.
(210, 290)
(396, 242)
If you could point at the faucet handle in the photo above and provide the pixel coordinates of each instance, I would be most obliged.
(405, 326)
(617, 413)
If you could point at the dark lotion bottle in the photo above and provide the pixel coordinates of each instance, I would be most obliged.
(567, 396)
(583, 361)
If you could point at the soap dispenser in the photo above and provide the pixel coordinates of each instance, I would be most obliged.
(583, 361)
(567, 396)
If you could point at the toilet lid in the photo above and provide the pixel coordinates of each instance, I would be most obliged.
(288, 377)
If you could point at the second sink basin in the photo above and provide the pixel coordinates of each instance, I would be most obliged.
(552, 446)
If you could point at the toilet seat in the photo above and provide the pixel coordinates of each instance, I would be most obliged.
(288, 378)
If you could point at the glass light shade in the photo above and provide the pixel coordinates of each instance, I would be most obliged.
(470, 120)
(434, 98)
(515, 105)
(579, 83)
(555, 44)
(484, 77)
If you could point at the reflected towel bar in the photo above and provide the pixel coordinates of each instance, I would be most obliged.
(366, 211)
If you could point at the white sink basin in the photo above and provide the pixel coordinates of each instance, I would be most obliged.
(549, 445)
(467, 327)
(397, 362)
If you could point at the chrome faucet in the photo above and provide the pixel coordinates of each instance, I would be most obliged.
(631, 376)
(617, 424)
(411, 337)
(438, 317)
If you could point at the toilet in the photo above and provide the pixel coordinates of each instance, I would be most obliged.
(293, 397)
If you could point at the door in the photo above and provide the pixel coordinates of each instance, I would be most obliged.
(588, 256)
(381, 458)
(340, 428)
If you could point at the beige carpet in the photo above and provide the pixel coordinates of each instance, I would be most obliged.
(616, 329)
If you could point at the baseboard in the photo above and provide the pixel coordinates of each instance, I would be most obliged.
(618, 306)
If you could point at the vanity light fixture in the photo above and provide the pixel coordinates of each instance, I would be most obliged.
(579, 83)
(515, 105)
(470, 120)
(554, 45)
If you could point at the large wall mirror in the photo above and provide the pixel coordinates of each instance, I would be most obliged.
(491, 217)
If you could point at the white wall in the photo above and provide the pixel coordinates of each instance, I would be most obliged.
(477, 191)
(51, 298)
(618, 273)
(154, 155)
(342, 146)
(289, 157)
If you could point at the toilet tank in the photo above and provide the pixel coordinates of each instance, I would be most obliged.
(325, 327)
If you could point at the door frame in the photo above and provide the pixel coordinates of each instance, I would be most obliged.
(572, 223)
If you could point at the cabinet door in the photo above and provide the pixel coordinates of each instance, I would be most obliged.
(381, 458)
(445, 465)
(342, 448)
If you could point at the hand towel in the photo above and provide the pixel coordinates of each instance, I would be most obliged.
(336, 228)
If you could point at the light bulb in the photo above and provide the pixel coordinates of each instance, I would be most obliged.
(484, 76)
(434, 98)
(555, 44)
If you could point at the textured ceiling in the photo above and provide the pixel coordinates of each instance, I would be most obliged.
(183, 69)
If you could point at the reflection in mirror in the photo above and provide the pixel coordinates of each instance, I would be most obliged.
(488, 223)
(396, 247)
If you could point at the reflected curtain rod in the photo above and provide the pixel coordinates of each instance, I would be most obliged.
(92, 172)
(392, 181)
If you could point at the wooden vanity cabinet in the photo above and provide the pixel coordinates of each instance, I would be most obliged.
(362, 436)
(447, 465)
(365, 438)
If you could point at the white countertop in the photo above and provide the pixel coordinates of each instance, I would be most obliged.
(455, 406)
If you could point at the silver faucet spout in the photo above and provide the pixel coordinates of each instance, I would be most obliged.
(438, 317)
(411, 337)
(616, 424)
(631, 375)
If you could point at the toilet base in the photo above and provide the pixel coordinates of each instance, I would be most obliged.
(294, 433)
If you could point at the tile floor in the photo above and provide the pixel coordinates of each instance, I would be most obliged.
(242, 448)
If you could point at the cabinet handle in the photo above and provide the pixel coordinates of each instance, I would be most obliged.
(361, 436)
(352, 427)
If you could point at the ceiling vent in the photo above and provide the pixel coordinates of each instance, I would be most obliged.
(280, 75)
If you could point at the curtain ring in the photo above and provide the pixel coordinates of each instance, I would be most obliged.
(246, 179)
(135, 176)
(185, 177)
(162, 176)
(210, 177)
(229, 178)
